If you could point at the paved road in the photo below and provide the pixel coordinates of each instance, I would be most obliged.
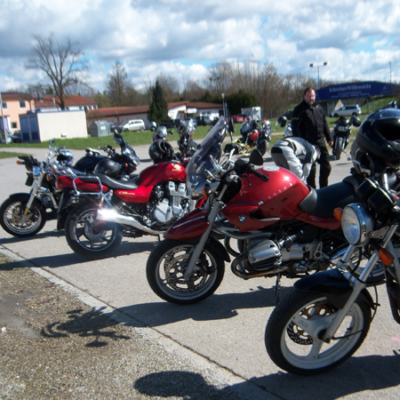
(227, 328)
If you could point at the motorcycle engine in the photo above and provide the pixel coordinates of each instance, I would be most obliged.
(168, 201)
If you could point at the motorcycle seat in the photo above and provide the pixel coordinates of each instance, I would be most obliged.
(115, 184)
(322, 202)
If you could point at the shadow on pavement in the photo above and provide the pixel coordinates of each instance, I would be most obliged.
(356, 375)
(215, 307)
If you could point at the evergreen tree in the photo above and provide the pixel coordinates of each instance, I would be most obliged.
(158, 111)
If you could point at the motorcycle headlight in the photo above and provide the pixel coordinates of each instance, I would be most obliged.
(357, 223)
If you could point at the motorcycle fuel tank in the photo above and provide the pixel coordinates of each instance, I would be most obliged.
(260, 204)
(161, 172)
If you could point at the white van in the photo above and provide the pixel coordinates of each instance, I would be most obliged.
(133, 125)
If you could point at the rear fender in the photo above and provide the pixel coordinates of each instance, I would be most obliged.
(333, 285)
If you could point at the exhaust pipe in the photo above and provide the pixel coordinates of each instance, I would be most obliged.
(110, 215)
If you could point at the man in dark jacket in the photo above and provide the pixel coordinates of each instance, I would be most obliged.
(309, 122)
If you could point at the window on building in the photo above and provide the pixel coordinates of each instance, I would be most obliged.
(22, 104)
(5, 105)
(13, 125)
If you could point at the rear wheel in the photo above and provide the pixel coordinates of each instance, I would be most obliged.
(89, 237)
(13, 220)
(292, 335)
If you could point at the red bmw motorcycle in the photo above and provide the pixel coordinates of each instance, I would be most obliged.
(282, 226)
(107, 206)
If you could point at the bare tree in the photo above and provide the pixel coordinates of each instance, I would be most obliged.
(117, 85)
(60, 62)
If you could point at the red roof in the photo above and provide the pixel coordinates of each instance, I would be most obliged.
(71, 100)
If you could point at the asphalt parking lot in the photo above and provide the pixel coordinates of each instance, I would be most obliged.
(226, 329)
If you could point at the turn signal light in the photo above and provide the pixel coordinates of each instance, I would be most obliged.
(204, 191)
(338, 213)
(385, 257)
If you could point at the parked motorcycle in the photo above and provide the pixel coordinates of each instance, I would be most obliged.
(282, 226)
(341, 134)
(253, 137)
(187, 146)
(161, 133)
(109, 208)
(328, 316)
(25, 214)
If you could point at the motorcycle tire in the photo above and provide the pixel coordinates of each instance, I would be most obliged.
(166, 265)
(338, 148)
(90, 238)
(294, 350)
(262, 147)
(11, 212)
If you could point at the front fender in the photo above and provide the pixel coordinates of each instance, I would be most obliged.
(333, 285)
(20, 196)
(190, 226)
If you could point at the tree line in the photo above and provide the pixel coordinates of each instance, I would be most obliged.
(241, 84)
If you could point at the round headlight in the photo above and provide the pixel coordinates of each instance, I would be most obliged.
(356, 224)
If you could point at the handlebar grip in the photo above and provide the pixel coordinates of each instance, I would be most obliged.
(258, 174)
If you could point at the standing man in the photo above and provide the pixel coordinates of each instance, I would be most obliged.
(309, 122)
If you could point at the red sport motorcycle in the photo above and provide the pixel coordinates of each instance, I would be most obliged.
(109, 206)
(282, 226)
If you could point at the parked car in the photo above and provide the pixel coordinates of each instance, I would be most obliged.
(16, 137)
(133, 125)
(238, 118)
(113, 126)
(347, 111)
(171, 123)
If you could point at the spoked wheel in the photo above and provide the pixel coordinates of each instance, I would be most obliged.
(293, 332)
(89, 237)
(166, 267)
(14, 222)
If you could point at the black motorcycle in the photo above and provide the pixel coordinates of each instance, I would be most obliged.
(341, 134)
(25, 214)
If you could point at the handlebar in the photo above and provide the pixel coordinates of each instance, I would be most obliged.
(242, 167)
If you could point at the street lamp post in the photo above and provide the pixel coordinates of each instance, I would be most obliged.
(317, 66)
(223, 103)
(390, 65)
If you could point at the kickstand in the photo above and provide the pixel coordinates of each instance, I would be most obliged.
(278, 288)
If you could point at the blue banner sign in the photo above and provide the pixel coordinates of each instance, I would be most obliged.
(356, 89)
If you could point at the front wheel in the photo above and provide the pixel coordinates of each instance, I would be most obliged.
(166, 266)
(89, 237)
(338, 148)
(262, 147)
(292, 335)
(13, 220)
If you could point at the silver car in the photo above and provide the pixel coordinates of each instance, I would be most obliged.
(347, 111)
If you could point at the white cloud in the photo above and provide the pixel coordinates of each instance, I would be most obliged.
(181, 38)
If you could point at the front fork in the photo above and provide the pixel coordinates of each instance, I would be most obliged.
(357, 284)
(35, 188)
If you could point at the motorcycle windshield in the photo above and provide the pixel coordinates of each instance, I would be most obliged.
(189, 126)
(129, 152)
(205, 159)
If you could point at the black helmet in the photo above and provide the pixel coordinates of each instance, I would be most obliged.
(379, 136)
(108, 167)
(355, 121)
(65, 157)
(282, 121)
(160, 151)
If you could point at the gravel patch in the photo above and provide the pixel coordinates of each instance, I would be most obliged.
(53, 346)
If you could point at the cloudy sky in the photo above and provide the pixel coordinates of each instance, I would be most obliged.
(358, 39)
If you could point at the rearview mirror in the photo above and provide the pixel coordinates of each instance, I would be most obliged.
(256, 158)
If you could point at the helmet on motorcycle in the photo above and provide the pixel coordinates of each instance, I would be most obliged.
(266, 124)
(379, 136)
(355, 121)
(65, 157)
(282, 121)
(160, 151)
(162, 133)
(153, 126)
(108, 167)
